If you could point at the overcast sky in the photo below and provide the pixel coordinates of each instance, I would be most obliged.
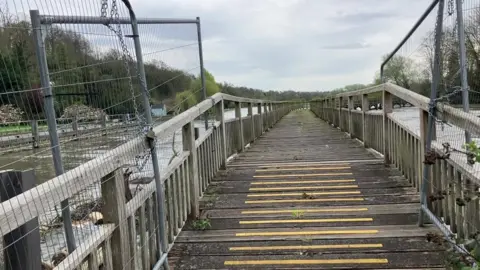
(306, 45)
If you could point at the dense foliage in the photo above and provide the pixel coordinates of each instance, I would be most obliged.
(88, 74)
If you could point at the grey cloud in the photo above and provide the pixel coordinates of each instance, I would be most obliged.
(308, 38)
(347, 46)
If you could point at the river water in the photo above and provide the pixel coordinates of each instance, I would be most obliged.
(75, 153)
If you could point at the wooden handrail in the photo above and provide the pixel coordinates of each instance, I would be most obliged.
(457, 117)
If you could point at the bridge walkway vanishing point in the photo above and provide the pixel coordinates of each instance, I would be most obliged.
(306, 196)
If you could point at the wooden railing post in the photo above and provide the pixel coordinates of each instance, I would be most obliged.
(188, 138)
(104, 124)
(21, 245)
(252, 119)
(259, 106)
(423, 141)
(266, 113)
(113, 195)
(278, 112)
(322, 108)
(387, 108)
(327, 110)
(239, 127)
(332, 108)
(350, 120)
(365, 131)
(275, 113)
(35, 134)
(75, 126)
(271, 120)
(223, 143)
(340, 103)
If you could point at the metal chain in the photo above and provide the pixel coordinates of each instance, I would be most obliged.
(126, 54)
(141, 159)
(450, 8)
(433, 102)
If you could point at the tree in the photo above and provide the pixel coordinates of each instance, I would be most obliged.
(399, 70)
(185, 100)
(211, 86)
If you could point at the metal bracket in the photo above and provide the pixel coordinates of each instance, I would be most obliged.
(150, 138)
(44, 31)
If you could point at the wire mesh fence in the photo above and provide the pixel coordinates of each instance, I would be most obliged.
(84, 108)
(422, 115)
(65, 73)
(435, 146)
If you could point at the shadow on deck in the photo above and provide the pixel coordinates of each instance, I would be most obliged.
(306, 196)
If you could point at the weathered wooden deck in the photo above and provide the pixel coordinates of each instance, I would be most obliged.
(306, 196)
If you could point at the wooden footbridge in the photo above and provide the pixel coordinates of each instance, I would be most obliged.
(290, 186)
(306, 195)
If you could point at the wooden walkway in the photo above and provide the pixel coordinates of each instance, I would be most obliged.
(306, 196)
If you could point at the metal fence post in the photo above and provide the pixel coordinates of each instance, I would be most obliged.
(433, 94)
(161, 236)
(35, 134)
(202, 68)
(51, 120)
(463, 63)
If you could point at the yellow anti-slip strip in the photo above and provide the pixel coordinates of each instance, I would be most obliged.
(318, 220)
(323, 210)
(303, 233)
(341, 246)
(302, 188)
(307, 200)
(303, 262)
(302, 182)
(300, 164)
(300, 194)
(304, 169)
(300, 175)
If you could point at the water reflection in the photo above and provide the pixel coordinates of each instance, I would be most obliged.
(75, 153)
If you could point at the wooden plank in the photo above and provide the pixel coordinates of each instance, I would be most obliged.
(143, 237)
(113, 195)
(107, 254)
(239, 127)
(189, 145)
(22, 245)
(219, 108)
(148, 189)
(132, 229)
(152, 248)
(88, 248)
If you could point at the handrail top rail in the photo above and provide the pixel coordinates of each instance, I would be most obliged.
(459, 118)
(411, 97)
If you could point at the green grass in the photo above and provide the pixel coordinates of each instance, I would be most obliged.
(20, 128)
